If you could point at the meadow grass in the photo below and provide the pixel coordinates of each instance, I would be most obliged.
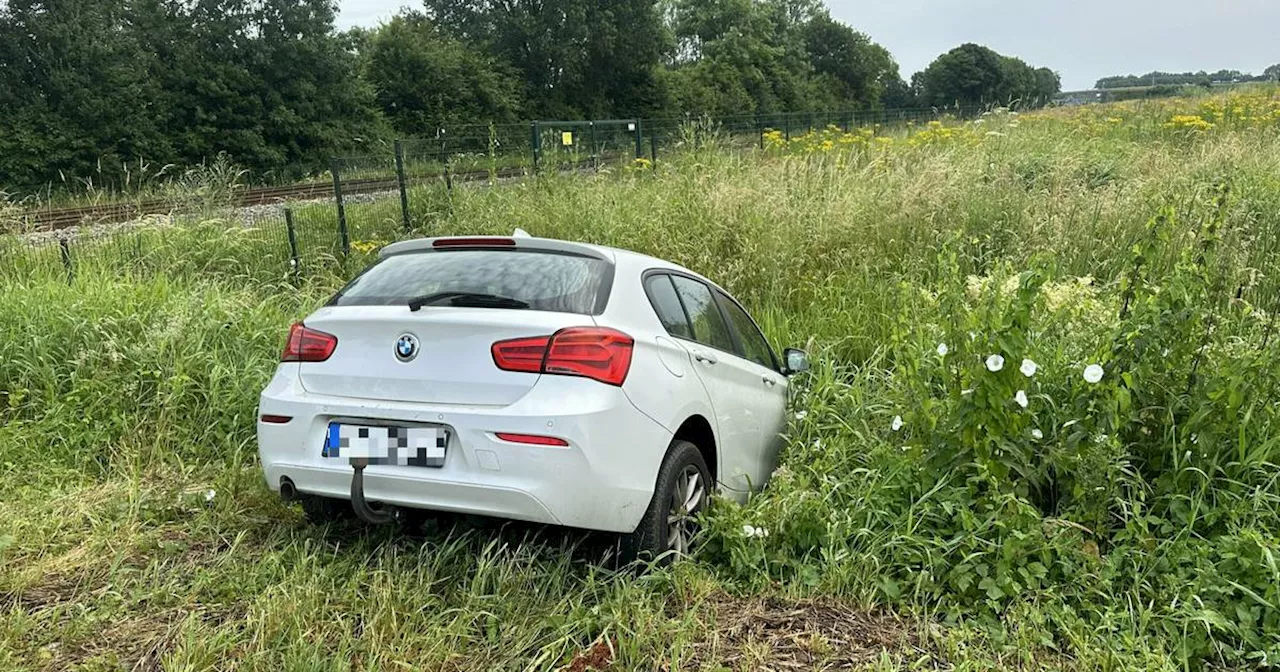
(1138, 531)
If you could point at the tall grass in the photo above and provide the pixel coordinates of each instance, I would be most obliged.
(1139, 530)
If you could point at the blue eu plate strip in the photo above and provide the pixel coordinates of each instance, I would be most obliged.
(331, 441)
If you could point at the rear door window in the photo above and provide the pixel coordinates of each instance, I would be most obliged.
(662, 294)
(548, 281)
(708, 324)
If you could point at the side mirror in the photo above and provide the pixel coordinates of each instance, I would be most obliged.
(796, 361)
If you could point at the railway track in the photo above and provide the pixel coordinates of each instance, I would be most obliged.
(61, 218)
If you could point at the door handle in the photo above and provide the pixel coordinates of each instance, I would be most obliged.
(704, 357)
(768, 381)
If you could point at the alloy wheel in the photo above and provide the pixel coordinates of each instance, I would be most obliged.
(687, 499)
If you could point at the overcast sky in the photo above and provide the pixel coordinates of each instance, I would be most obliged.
(1082, 39)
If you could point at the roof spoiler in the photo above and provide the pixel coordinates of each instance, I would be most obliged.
(525, 242)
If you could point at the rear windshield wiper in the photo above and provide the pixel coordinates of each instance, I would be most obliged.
(467, 299)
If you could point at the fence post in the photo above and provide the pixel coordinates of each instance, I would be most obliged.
(535, 141)
(591, 137)
(404, 190)
(65, 246)
(639, 140)
(653, 149)
(334, 167)
(786, 120)
(293, 242)
(448, 173)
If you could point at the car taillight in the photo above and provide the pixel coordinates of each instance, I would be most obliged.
(521, 354)
(591, 352)
(308, 345)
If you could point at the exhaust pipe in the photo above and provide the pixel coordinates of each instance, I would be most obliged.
(363, 510)
(288, 492)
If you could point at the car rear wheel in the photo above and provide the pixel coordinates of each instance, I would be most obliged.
(682, 491)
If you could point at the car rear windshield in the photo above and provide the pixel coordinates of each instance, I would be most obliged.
(550, 281)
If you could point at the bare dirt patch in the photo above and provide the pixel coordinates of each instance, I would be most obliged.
(779, 634)
(598, 657)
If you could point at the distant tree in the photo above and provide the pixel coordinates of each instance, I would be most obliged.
(1158, 78)
(267, 81)
(972, 74)
(769, 56)
(735, 57)
(898, 95)
(576, 58)
(966, 75)
(76, 96)
(1048, 85)
(1017, 81)
(855, 71)
(423, 80)
(1272, 73)
(86, 85)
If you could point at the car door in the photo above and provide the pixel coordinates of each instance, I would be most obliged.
(768, 394)
(732, 384)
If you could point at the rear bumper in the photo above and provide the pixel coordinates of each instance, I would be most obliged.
(603, 480)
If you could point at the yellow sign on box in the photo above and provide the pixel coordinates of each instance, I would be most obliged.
(566, 138)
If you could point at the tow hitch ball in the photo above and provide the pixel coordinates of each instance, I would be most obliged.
(378, 516)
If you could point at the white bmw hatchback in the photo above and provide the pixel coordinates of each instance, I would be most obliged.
(529, 379)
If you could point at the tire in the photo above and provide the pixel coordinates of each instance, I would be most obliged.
(325, 510)
(657, 536)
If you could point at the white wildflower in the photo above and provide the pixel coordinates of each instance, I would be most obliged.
(897, 423)
(1037, 434)
(1021, 398)
(1029, 368)
(942, 350)
(801, 415)
(748, 531)
(209, 495)
(995, 363)
(1093, 373)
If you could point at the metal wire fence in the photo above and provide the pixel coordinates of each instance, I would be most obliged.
(404, 192)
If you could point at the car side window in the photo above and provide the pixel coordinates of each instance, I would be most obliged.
(708, 323)
(754, 346)
(662, 296)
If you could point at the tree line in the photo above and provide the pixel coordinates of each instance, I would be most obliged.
(88, 87)
(1200, 78)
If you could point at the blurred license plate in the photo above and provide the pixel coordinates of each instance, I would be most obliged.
(411, 446)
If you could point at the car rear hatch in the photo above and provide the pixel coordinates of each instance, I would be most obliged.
(441, 352)
(452, 363)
